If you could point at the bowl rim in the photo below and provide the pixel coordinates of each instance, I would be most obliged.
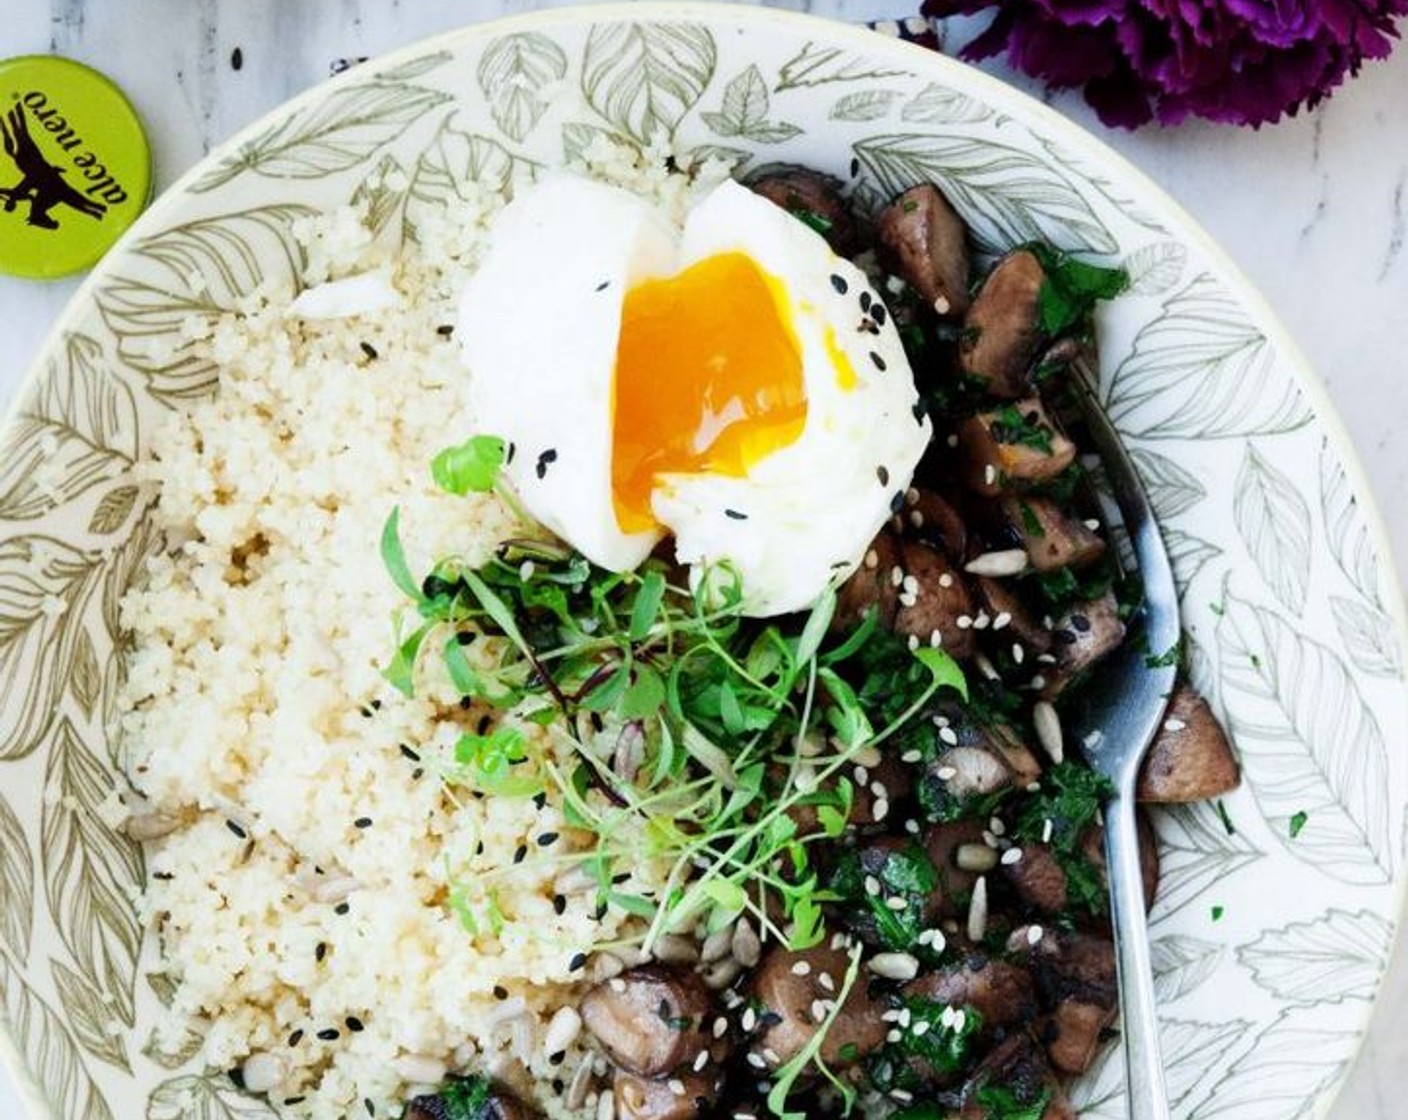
(956, 73)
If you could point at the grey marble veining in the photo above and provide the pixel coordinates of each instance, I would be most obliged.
(1314, 210)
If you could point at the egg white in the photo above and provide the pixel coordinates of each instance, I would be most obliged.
(538, 326)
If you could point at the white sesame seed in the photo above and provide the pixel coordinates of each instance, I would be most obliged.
(942, 305)
(1038, 682)
(952, 439)
(912, 827)
(872, 559)
(989, 474)
(978, 913)
(749, 1020)
(1172, 724)
(959, 1018)
(1018, 653)
(720, 1027)
(562, 1030)
(890, 1016)
(1091, 523)
(861, 775)
(1034, 934)
(947, 773)
(897, 902)
(921, 1028)
(801, 968)
(881, 809)
(964, 621)
(937, 941)
(997, 826)
(998, 563)
(1047, 827)
(945, 580)
(525, 571)
(949, 736)
(911, 585)
(946, 1019)
(981, 620)
(893, 1036)
(916, 518)
(989, 839)
(894, 966)
(757, 1061)
(904, 1096)
(701, 1061)
(905, 1016)
(936, 638)
(1046, 658)
(908, 598)
(985, 666)
(911, 496)
(913, 643)
(824, 979)
(1002, 621)
(896, 576)
(912, 756)
(617, 985)
(1012, 856)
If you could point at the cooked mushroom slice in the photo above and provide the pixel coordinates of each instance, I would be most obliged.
(934, 599)
(1017, 1066)
(966, 771)
(1009, 613)
(945, 843)
(1001, 333)
(1085, 634)
(649, 1020)
(1074, 975)
(469, 1098)
(1038, 879)
(816, 199)
(1012, 448)
(665, 1098)
(794, 992)
(929, 517)
(999, 991)
(926, 243)
(1052, 539)
(1190, 758)
(871, 586)
(1020, 759)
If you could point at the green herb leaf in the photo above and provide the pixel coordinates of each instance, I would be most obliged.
(1298, 821)
(400, 674)
(945, 671)
(1072, 289)
(393, 556)
(818, 622)
(644, 696)
(646, 607)
(473, 466)
(1000, 1102)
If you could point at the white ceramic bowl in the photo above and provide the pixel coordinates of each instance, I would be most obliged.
(1269, 947)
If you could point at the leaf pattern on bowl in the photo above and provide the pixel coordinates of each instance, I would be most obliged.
(1292, 630)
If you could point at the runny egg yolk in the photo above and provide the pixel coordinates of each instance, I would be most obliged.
(708, 379)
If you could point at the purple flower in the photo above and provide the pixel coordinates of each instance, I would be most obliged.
(1237, 61)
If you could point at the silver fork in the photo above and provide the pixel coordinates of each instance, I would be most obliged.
(1123, 707)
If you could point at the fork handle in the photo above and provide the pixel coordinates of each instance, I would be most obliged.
(1146, 1095)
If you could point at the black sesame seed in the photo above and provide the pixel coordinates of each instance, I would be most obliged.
(547, 838)
(877, 312)
(559, 904)
(600, 912)
(445, 330)
(735, 515)
(416, 773)
(918, 411)
(855, 167)
(509, 452)
(603, 285)
(291, 1101)
(366, 712)
(839, 283)
(320, 950)
(558, 1085)
(578, 962)
(1081, 623)
(865, 301)
(237, 1079)
(237, 59)
(362, 822)
(367, 1104)
(897, 502)
(520, 853)
(342, 908)
(163, 876)
(883, 474)
(237, 830)
(479, 848)
(548, 456)
(540, 799)
(355, 1024)
(483, 726)
(617, 880)
(464, 637)
(1064, 638)
(557, 1057)
(295, 1038)
(329, 1034)
(369, 350)
(878, 360)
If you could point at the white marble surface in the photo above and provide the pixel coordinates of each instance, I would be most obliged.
(1314, 210)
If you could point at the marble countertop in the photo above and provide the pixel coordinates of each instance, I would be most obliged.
(1315, 210)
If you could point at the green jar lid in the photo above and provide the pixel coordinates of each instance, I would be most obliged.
(75, 167)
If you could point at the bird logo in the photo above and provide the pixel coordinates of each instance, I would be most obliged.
(41, 184)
